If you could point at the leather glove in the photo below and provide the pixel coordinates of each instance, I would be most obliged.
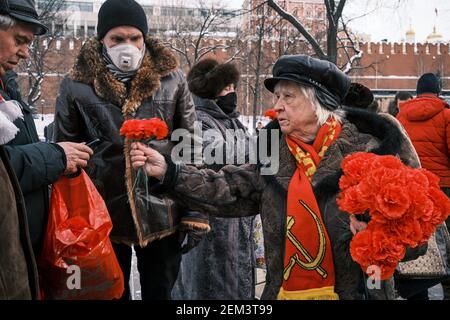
(193, 226)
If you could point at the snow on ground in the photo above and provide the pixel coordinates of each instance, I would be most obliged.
(41, 121)
(247, 121)
(46, 119)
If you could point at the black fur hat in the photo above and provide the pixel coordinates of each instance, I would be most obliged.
(207, 78)
(358, 96)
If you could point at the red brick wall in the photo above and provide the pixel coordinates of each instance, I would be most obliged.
(398, 66)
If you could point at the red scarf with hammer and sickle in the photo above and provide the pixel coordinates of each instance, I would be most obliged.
(308, 263)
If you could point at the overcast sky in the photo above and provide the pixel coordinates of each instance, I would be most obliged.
(389, 22)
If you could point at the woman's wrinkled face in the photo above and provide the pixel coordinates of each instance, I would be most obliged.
(295, 112)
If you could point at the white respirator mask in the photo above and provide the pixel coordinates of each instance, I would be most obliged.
(126, 57)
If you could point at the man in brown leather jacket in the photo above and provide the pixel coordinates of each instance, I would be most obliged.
(124, 74)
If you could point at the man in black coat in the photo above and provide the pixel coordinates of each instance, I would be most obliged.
(36, 164)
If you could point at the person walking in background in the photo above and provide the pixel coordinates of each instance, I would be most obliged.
(426, 119)
(259, 126)
(221, 266)
(400, 97)
(124, 74)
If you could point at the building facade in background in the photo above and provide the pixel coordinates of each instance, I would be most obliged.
(240, 36)
(80, 16)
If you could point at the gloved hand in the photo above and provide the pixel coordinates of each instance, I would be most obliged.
(194, 226)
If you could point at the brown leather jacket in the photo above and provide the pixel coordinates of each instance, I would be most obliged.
(18, 271)
(93, 104)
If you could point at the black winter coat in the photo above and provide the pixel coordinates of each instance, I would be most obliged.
(93, 104)
(36, 164)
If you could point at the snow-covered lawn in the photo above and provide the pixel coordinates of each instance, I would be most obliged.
(40, 124)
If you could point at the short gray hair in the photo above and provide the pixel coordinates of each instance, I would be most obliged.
(7, 22)
(322, 113)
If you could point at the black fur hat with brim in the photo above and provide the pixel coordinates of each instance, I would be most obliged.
(207, 78)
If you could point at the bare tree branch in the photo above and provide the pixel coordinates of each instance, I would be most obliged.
(289, 17)
(339, 10)
(38, 66)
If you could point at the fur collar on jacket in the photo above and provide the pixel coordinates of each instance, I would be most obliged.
(90, 68)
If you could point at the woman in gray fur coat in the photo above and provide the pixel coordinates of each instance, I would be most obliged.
(221, 266)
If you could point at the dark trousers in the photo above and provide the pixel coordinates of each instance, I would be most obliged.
(422, 295)
(158, 265)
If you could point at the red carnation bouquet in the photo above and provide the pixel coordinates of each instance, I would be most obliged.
(271, 114)
(144, 130)
(405, 206)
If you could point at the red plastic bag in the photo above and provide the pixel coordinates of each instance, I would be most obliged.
(77, 260)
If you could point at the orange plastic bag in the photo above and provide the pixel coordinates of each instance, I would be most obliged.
(77, 260)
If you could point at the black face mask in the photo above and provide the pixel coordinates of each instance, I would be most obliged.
(227, 103)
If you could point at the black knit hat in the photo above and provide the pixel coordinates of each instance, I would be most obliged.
(208, 78)
(428, 83)
(117, 13)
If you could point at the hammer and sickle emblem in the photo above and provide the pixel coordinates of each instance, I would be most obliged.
(310, 264)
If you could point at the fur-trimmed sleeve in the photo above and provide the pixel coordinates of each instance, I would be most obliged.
(234, 191)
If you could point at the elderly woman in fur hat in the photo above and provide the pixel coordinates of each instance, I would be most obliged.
(316, 133)
(221, 266)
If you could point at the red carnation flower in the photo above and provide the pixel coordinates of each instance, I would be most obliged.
(433, 179)
(441, 204)
(271, 114)
(355, 166)
(389, 162)
(405, 206)
(350, 201)
(141, 129)
(361, 248)
(375, 247)
(392, 201)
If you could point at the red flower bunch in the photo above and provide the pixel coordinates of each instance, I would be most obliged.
(271, 114)
(405, 205)
(142, 129)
